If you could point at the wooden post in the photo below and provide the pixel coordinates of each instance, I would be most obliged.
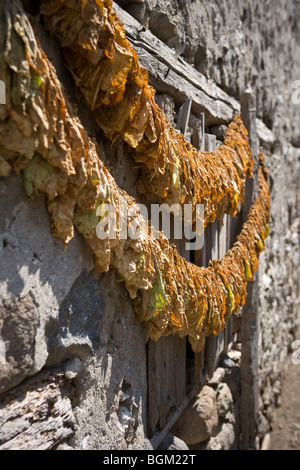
(212, 252)
(160, 435)
(222, 232)
(166, 379)
(250, 314)
(198, 139)
(184, 116)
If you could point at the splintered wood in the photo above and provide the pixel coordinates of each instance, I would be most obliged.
(37, 415)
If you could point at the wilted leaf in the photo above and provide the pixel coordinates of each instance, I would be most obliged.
(42, 138)
(115, 86)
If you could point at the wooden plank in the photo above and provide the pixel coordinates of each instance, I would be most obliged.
(160, 435)
(169, 73)
(199, 370)
(198, 139)
(215, 241)
(250, 317)
(38, 414)
(153, 380)
(212, 252)
(223, 236)
(166, 379)
(222, 233)
(210, 142)
(182, 125)
(184, 116)
(228, 340)
(200, 258)
(228, 331)
(248, 112)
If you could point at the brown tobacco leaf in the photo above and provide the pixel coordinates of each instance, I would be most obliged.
(105, 69)
(42, 139)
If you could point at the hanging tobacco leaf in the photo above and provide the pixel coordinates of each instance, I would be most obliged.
(42, 139)
(105, 69)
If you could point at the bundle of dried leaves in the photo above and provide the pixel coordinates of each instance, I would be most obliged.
(105, 69)
(42, 139)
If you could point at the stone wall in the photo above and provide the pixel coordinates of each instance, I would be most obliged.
(73, 370)
(72, 353)
(234, 43)
(61, 325)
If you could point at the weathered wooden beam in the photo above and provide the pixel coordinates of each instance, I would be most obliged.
(171, 74)
(198, 134)
(36, 415)
(250, 315)
(166, 379)
(184, 116)
(159, 436)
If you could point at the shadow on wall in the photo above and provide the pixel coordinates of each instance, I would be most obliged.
(35, 276)
(54, 315)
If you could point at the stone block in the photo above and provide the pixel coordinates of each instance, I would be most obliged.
(224, 400)
(199, 421)
(171, 442)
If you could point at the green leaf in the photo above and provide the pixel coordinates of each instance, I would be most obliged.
(28, 186)
(37, 174)
(247, 271)
(36, 82)
(87, 223)
(267, 230)
(158, 298)
(231, 297)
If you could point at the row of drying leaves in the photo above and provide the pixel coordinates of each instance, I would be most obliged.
(43, 139)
